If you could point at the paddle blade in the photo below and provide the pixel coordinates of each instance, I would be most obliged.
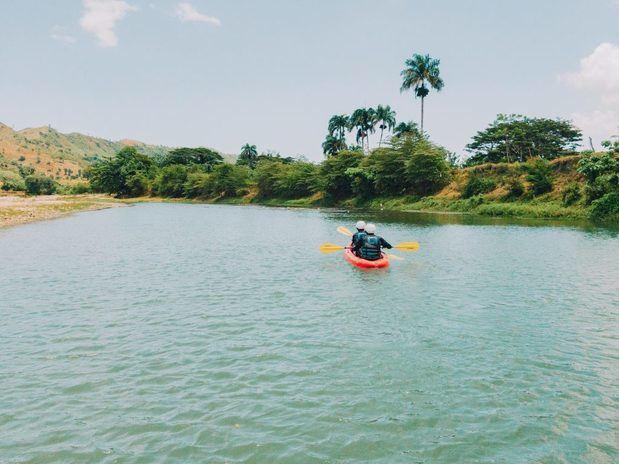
(330, 248)
(407, 246)
(394, 257)
(344, 231)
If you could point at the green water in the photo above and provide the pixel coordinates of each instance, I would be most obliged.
(194, 333)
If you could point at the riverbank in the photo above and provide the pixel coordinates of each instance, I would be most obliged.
(20, 209)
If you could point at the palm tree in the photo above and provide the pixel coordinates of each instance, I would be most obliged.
(385, 116)
(333, 145)
(362, 119)
(248, 156)
(405, 128)
(338, 124)
(421, 71)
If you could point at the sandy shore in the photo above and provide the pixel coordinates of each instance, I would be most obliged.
(17, 209)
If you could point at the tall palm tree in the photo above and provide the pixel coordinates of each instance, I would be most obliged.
(385, 116)
(420, 72)
(333, 145)
(248, 156)
(338, 124)
(362, 119)
(405, 128)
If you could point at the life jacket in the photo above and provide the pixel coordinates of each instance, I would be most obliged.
(370, 248)
(357, 236)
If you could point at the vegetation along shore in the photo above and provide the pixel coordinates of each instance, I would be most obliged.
(517, 166)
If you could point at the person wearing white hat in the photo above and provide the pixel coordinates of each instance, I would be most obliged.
(370, 245)
(357, 236)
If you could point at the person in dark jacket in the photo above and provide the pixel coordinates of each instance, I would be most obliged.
(370, 245)
(356, 238)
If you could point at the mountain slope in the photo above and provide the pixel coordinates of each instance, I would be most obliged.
(58, 155)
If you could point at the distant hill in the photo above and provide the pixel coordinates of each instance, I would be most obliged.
(63, 156)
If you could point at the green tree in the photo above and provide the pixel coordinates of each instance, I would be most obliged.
(335, 182)
(11, 181)
(227, 180)
(540, 176)
(37, 184)
(338, 125)
(406, 128)
(128, 174)
(170, 181)
(333, 145)
(363, 120)
(388, 169)
(201, 156)
(517, 138)
(385, 117)
(421, 73)
(427, 169)
(248, 156)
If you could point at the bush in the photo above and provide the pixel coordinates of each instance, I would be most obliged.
(197, 184)
(170, 181)
(11, 181)
(80, 188)
(227, 180)
(540, 176)
(477, 185)
(606, 207)
(335, 182)
(571, 194)
(515, 189)
(387, 166)
(362, 182)
(602, 185)
(37, 184)
(593, 166)
(427, 169)
(128, 174)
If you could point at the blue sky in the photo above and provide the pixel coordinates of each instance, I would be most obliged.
(221, 73)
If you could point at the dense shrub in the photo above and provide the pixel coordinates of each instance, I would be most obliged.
(592, 166)
(129, 173)
(197, 184)
(80, 188)
(427, 169)
(297, 180)
(571, 194)
(37, 184)
(335, 182)
(362, 182)
(606, 207)
(204, 157)
(11, 181)
(515, 189)
(540, 176)
(477, 185)
(227, 180)
(170, 181)
(387, 167)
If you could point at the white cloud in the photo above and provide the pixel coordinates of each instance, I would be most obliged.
(598, 73)
(186, 12)
(59, 33)
(598, 124)
(100, 18)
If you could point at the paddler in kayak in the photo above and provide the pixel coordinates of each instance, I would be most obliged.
(369, 247)
(357, 236)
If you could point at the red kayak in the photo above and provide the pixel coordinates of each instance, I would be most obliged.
(364, 263)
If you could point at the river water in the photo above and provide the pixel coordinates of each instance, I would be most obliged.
(196, 333)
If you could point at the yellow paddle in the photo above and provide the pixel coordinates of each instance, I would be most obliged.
(332, 247)
(404, 246)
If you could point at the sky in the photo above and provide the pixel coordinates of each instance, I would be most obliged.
(222, 73)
